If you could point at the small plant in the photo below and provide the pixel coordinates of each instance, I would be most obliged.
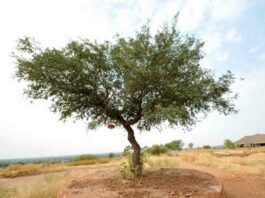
(127, 168)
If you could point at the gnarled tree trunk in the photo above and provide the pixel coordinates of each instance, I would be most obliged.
(136, 160)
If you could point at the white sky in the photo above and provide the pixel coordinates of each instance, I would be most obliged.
(29, 130)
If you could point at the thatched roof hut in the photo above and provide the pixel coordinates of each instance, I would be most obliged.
(253, 140)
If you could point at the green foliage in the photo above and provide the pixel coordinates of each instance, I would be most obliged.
(103, 82)
(206, 147)
(127, 168)
(228, 144)
(175, 145)
(190, 146)
(111, 155)
(157, 149)
(127, 150)
(85, 157)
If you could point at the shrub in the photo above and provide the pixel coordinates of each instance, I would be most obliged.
(206, 147)
(228, 144)
(157, 149)
(127, 169)
(175, 145)
(111, 155)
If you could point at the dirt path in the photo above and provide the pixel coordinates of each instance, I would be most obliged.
(236, 185)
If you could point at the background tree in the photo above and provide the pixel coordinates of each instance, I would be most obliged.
(206, 147)
(143, 80)
(111, 155)
(190, 146)
(229, 144)
(175, 145)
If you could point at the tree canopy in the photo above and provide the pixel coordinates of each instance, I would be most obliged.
(145, 80)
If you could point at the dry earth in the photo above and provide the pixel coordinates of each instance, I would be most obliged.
(166, 183)
(236, 185)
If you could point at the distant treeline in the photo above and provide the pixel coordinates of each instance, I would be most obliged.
(58, 159)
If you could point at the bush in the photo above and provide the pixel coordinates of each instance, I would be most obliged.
(157, 149)
(111, 155)
(127, 169)
(228, 144)
(206, 147)
(175, 145)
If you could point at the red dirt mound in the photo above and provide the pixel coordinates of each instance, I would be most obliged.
(164, 183)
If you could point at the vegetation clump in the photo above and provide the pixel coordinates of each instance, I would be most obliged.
(228, 144)
(206, 147)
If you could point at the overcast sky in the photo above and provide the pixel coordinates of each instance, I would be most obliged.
(232, 29)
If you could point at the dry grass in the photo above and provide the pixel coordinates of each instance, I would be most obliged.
(16, 170)
(164, 161)
(90, 162)
(243, 160)
(44, 188)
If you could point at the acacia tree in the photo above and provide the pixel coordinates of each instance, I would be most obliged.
(144, 80)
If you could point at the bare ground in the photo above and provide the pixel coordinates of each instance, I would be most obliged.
(236, 185)
(154, 184)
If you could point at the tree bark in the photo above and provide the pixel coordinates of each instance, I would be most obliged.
(136, 159)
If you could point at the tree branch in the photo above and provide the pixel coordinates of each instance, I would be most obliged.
(134, 120)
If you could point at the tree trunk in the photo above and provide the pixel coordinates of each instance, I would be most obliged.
(136, 160)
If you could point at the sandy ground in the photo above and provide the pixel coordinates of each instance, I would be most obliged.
(236, 185)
